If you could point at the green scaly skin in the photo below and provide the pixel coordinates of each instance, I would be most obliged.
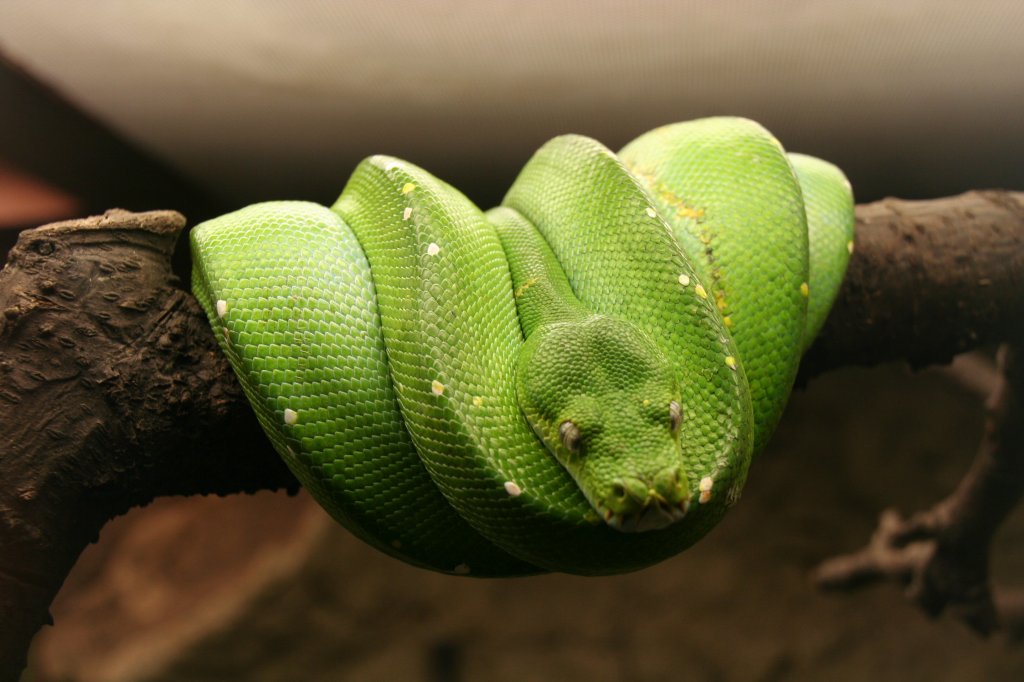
(574, 364)
(575, 381)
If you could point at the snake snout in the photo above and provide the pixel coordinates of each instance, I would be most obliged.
(641, 504)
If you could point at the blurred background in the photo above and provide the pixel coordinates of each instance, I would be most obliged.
(204, 107)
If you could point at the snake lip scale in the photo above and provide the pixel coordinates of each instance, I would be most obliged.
(576, 380)
(657, 514)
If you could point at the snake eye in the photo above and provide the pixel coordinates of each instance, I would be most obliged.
(570, 435)
(675, 416)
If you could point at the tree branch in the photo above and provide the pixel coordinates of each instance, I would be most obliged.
(112, 389)
(942, 554)
(112, 392)
(927, 280)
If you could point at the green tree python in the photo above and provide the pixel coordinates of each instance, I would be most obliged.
(574, 381)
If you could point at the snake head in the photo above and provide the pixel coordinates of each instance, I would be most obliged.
(606, 403)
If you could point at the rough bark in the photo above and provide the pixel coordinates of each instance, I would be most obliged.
(113, 392)
(927, 280)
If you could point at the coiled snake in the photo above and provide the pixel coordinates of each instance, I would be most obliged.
(574, 381)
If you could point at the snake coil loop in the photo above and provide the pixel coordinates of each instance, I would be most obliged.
(574, 381)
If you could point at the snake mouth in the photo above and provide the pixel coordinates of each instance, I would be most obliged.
(633, 504)
(657, 514)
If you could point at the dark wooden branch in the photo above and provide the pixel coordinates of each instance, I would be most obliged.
(112, 392)
(927, 280)
(112, 389)
(942, 554)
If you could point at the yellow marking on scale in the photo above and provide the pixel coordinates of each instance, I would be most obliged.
(436, 387)
(701, 291)
(720, 300)
(687, 212)
(408, 187)
(667, 195)
(526, 285)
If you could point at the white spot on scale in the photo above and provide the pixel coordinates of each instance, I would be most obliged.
(462, 569)
(478, 401)
(436, 387)
(407, 213)
(433, 249)
(222, 308)
(684, 279)
(512, 489)
(291, 417)
(705, 486)
(651, 212)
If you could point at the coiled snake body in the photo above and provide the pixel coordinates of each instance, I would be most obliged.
(575, 381)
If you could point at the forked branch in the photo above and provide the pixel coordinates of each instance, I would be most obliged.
(942, 554)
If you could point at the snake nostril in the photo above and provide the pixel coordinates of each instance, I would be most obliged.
(618, 490)
(670, 484)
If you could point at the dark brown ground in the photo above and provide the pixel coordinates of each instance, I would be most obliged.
(266, 588)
